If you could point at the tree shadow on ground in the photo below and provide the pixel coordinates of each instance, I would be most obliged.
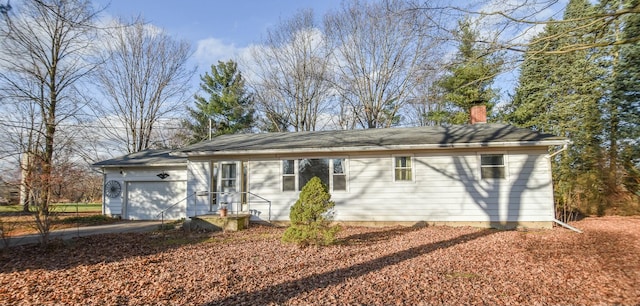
(280, 293)
(382, 234)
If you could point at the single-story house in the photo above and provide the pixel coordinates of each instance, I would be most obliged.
(480, 175)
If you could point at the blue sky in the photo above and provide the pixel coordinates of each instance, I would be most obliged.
(217, 29)
(239, 22)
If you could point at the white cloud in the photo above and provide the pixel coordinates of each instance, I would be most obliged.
(211, 50)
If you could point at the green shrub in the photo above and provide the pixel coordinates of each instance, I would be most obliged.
(310, 222)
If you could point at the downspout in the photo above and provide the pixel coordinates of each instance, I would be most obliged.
(567, 226)
(549, 156)
(564, 147)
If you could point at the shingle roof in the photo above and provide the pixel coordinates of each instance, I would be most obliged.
(143, 158)
(370, 139)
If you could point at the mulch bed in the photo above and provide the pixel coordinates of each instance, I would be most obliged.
(371, 266)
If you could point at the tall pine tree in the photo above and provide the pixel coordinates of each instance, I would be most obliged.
(623, 102)
(228, 109)
(469, 80)
(561, 94)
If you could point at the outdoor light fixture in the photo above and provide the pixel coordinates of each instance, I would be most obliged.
(163, 175)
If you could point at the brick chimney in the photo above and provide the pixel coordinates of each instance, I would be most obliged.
(478, 114)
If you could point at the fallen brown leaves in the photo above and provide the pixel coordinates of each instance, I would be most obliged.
(434, 265)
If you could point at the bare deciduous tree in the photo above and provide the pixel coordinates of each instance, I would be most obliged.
(291, 78)
(45, 54)
(145, 77)
(381, 51)
(515, 22)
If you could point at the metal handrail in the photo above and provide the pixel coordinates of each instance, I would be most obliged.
(269, 202)
(161, 213)
(195, 208)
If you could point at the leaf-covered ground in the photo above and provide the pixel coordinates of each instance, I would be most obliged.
(372, 266)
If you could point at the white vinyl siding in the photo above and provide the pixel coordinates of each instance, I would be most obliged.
(447, 187)
(265, 180)
(199, 180)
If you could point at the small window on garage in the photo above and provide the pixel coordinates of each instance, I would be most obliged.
(492, 166)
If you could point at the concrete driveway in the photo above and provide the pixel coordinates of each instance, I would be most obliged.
(68, 233)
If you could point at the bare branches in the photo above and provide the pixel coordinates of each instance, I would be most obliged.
(5, 8)
(516, 23)
(291, 79)
(145, 76)
(45, 54)
(381, 51)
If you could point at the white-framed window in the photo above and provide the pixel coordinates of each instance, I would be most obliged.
(228, 177)
(403, 168)
(339, 175)
(288, 175)
(493, 166)
(297, 172)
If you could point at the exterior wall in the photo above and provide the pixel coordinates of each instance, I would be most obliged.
(265, 180)
(446, 188)
(116, 206)
(198, 180)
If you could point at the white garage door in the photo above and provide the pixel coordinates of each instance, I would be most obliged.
(145, 200)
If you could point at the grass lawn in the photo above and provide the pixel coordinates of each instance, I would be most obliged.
(60, 208)
(63, 215)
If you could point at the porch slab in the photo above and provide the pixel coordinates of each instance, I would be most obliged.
(215, 222)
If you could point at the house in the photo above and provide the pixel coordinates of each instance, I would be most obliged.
(479, 175)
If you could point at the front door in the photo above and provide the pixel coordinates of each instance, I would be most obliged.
(228, 185)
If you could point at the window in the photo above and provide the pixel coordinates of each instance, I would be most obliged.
(339, 178)
(403, 168)
(214, 187)
(492, 166)
(228, 178)
(308, 168)
(288, 175)
(297, 173)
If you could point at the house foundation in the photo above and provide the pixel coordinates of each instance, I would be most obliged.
(230, 223)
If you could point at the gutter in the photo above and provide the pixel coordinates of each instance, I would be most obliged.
(223, 152)
(183, 164)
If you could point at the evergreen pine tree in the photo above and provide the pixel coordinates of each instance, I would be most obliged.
(470, 77)
(229, 106)
(309, 222)
(561, 94)
(623, 117)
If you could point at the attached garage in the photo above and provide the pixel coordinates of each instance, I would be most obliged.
(152, 200)
(142, 185)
